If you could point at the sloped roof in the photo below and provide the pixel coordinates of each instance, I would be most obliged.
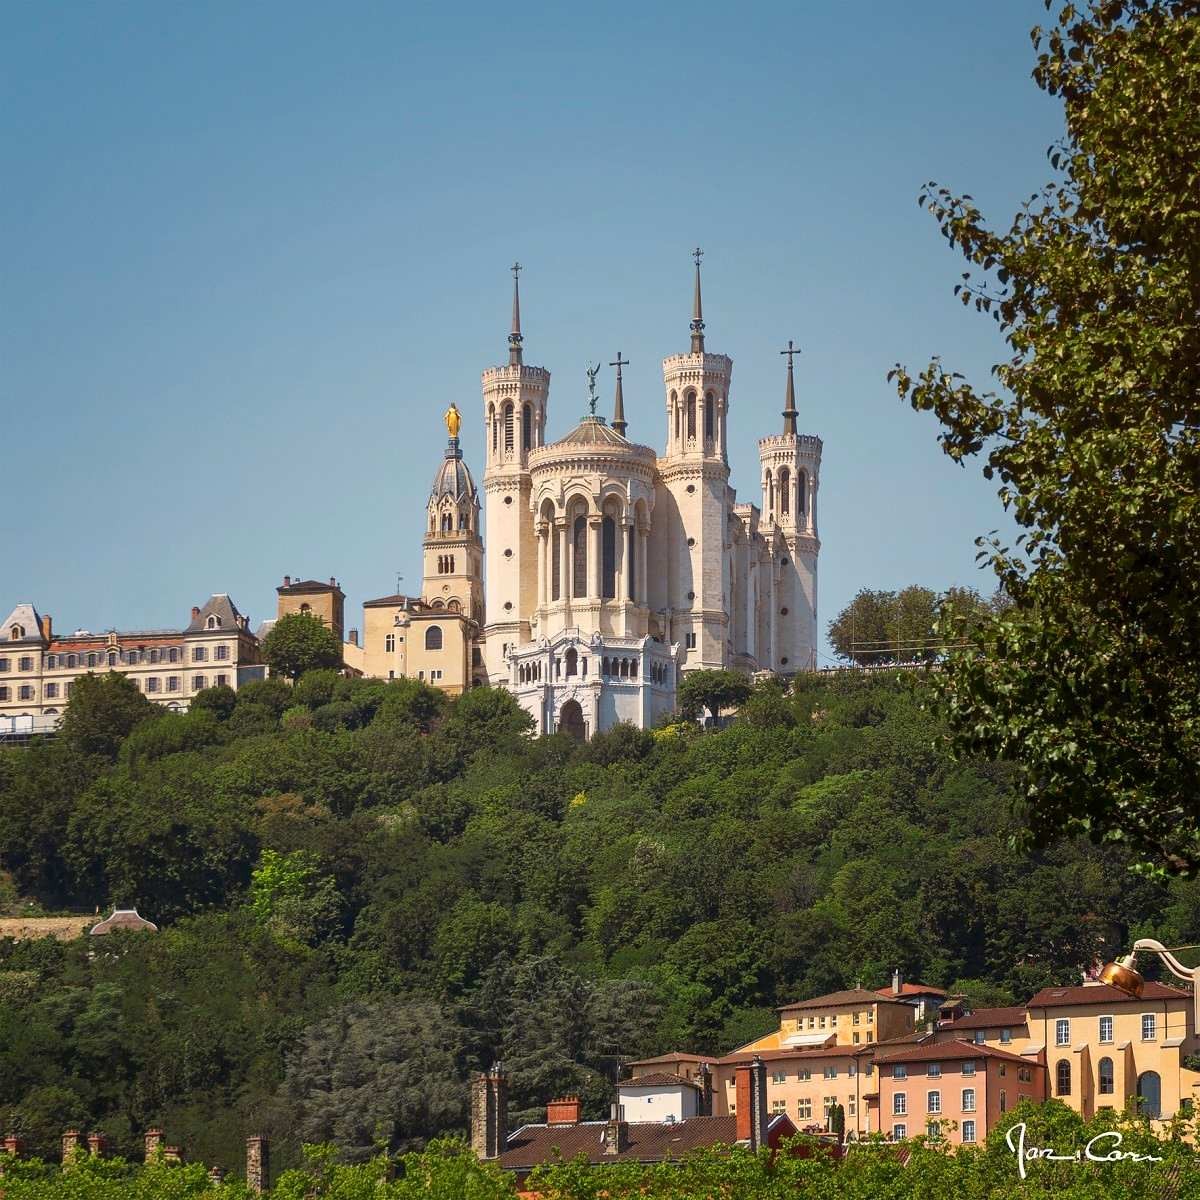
(946, 1051)
(834, 999)
(1102, 993)
(910, 989)
(676, 1056)
(221, 607)
(801, 1053)
(647, 1141)
(659, 1079)
(309, 585)
(123, 919)
(24, 615)
(990, 1018)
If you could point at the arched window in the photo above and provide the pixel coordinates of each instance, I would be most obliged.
(678, 415)
(570, 720)
(690, 401)
(624, 668)
(1106, 1076)
(508, 427)
(631, 564)
(213, 622)
(710, 418)
(72, 660)
(1149, 1090)
(572, 661)
(579, 557)
(785, 490)
(633, 668)
(433, 637)
(453, 606)
(1062, 1077)
(608, 539)
(495, 428)
(527, 427)
(306, 608)
(18, 632)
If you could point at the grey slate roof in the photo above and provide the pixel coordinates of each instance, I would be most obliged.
(221, 607)
(24, 615)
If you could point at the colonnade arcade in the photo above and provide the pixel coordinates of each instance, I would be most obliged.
(788, 496)
(695, 422)
(592, 554)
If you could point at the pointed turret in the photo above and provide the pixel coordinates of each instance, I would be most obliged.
(618, 422)
(514, 337)
(697, 308)
(789, 404)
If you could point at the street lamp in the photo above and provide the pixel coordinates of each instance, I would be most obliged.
(1124, 975)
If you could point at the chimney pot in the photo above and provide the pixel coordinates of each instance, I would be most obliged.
(616, 1131)
(750, 1091)
(216, 1175)
(897, 982)
(14, 1144)
(287, 581)
(354, 637)
(97, 1144)
(195, 611)
(332, 581)
(489, 1112)
(72, 1145)
(172, 1154)
(47, 627)
(565, 1110)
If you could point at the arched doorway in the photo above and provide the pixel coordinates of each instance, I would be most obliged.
(570, 720)
(1149, 1090)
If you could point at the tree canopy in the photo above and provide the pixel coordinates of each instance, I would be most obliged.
(300, 642)
(711, 691)
(1091, 678)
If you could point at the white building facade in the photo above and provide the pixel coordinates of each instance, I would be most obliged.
(611, 569)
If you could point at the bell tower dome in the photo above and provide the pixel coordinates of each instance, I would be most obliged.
(453, 548)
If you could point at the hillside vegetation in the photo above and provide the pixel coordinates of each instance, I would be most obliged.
(365, 892)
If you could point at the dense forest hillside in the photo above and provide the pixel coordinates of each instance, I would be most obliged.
(365, 892)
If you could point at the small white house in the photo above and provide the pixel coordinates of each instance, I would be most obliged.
(659, 1097)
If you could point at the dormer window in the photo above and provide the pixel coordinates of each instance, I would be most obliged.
(18, 632)
(213, 622)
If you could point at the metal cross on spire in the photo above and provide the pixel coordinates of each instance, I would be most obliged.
(789, 404)
(514, 337)
(619, 423)
(697, 308)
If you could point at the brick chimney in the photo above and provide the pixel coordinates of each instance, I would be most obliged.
(287, 581)
(72, 1146)
(354, 637)
(704, 1079)
(216, 1175)
(195, 612)
(258, 1163)
(172, 1155)
(750, 1091)
(616, 1131)
(489, 1112)
(897, 982)
(47, 627)
(97, 1144)
(154, 1138)
(14, 1145)
(566, 1110)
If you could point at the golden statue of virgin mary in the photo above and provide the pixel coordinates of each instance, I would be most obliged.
(453, 419)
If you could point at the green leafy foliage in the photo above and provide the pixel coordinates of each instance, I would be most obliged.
(102, 710)
(1090, 680)
(353, 919)
(300, 642)
(711, 691)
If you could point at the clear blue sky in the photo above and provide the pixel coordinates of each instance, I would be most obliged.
(251, 252)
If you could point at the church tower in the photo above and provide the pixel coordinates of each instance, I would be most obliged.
(453, 547)
(692, 588)
(791, 474)
(514, 408)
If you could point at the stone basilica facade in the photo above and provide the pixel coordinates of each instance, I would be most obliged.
(611, 568)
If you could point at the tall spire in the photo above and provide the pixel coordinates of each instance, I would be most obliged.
(514, 338)
(697, 309)
(618, 422)
(789, 404)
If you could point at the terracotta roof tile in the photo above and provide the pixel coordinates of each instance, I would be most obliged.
(834, 999)
(659, 1079)
(947, 1051)
(990, 1018)
(911, 989)
(1102, 993)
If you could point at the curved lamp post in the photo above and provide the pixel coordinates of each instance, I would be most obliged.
(1125, 976)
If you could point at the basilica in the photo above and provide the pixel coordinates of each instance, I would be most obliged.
(609, 568)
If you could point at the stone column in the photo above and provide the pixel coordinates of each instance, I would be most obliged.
(620, 539)
(258, 1163)
(564, 563)
(643, 558)
(543, 572)
(595, 552)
